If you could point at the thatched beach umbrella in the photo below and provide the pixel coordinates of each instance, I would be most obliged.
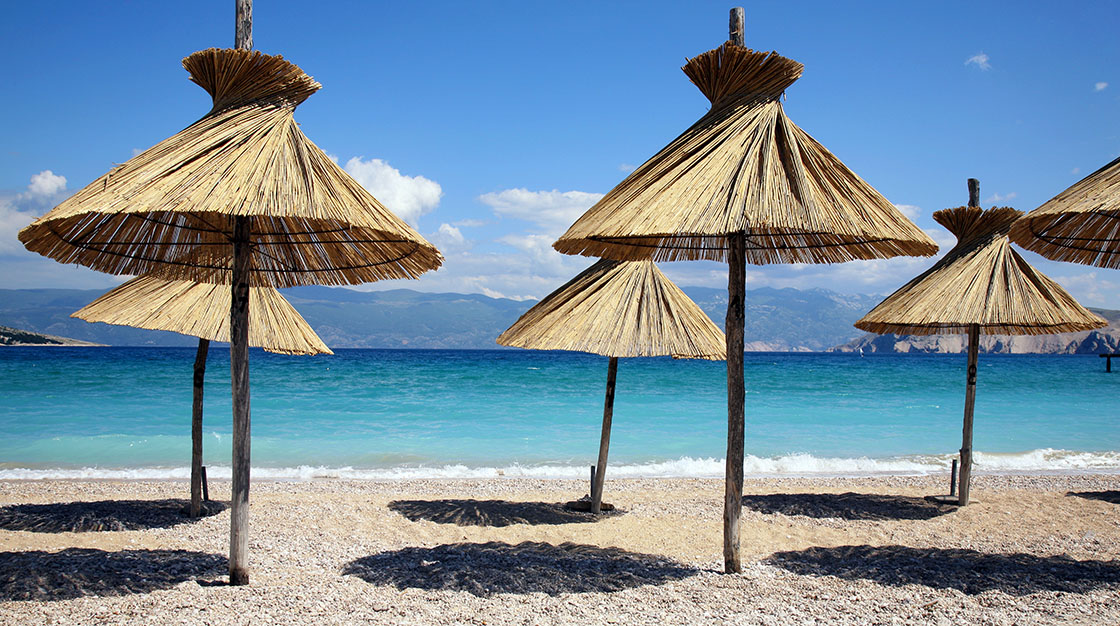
(1081, 224)
(744, 183)
(980, 286)
(617, 309)
(199, 310)
(240, 196)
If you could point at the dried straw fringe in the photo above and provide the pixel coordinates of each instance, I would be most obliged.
(980, 281)
(744, 167)
(1080, 225)
(202, 310)
(619, 309)
(171, 208)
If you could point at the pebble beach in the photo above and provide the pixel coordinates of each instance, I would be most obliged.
(1029, 549)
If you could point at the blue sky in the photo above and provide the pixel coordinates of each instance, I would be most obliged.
(492, 126)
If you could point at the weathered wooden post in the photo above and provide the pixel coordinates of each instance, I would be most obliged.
(733, 329)
(600, 470)
(196, 427)
(970, 387)
(239, 360)
(953, 479)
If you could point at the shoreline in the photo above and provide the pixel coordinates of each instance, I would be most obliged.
(1034, 549)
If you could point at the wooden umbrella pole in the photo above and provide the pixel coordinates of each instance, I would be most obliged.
(243, 25)
(733, 480)
(239, 361)
(733, 329)
(196, 427)
(970, 386)
(969, 404)
(604, 439)
(239, 373)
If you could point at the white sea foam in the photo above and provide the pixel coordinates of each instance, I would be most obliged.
(1045, 460)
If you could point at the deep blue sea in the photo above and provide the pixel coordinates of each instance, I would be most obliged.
(125, 412)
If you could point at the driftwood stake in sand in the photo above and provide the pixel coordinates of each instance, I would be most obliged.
(196, 427)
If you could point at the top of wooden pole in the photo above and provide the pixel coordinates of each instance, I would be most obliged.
(736, 29)
(973, 192)
(243, 25)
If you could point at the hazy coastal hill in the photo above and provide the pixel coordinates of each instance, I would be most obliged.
(777, 320)
(790, 320)
(16, 337)
(1088, 342)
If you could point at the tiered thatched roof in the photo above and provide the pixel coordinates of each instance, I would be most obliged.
(1081, 224)
(619, 309)
(980, 281)
(744, 167)
(202, 310)
(172, 207)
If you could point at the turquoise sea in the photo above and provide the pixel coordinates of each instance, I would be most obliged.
(125, 412)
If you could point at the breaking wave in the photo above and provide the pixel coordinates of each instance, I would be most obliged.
(1045, 460)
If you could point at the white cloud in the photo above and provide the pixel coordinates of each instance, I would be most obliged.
(1101, 86)
(450, 232)
(979, 60)
(45, 184)
(1088, 285)
(408, 197)
(1075, 171)
(19, 210)
(553, 210)
(996, 198)
(12, 219)
(627, 167)
(449, 238)
(909, 210)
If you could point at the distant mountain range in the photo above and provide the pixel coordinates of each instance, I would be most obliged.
(778, 320)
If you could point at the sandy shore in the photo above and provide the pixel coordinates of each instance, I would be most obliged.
(1030, 549)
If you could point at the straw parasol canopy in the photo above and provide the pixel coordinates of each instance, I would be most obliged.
(617, 309)
(980, 286)
(200, 310)
(241, 197)
(172, 207)
(744, 167)
(743, 184)
(981, 281)
(1081, 224)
